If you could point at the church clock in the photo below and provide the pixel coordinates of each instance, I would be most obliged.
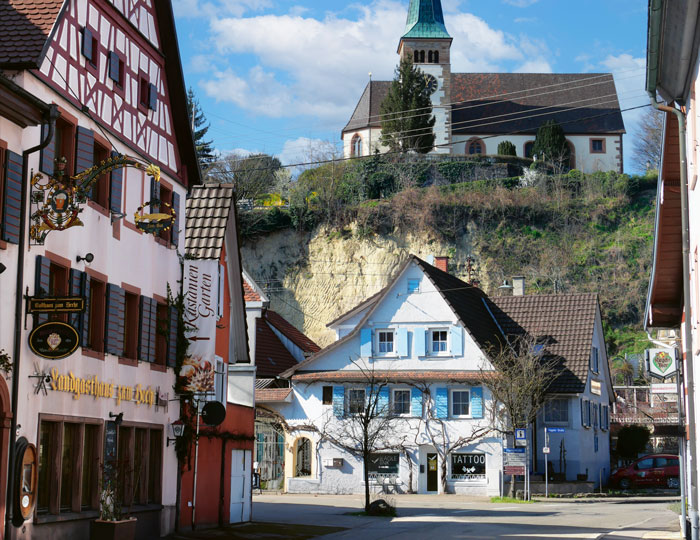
(431, 84)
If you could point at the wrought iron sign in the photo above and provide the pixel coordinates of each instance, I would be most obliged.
(58, 200)
(66, 304)
(156, 222)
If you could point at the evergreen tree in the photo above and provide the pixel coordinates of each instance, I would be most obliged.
(406, 112)
(205, 152)
(506, 148)
(550, 144)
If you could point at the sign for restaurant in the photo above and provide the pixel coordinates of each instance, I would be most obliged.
(468, 466)
(201, 297)
(67, 304)
(596, 387)
(383, 465)
(53, 340)
(662, 363)
(92, 386)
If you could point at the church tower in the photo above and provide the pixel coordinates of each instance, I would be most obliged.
(426, 42)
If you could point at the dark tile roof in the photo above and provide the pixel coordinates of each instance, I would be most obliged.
(566, 321)
(367, 109)
(290, 331)
(390, 376)
(267, 395)
(271, 356)
(25, 25)
(207, 212)
(579, 102)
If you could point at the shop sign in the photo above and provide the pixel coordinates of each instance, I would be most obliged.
(67, 304)
(53, 340)
(596, 387)
(383, 465)
(468, 466)
(661, 363)
(92, 386)
(665, 388)
(201, 285)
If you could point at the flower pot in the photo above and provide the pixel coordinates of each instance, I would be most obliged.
(113, 530)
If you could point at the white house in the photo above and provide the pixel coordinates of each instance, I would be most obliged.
(424, 341)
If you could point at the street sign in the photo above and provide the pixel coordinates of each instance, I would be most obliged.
(545, 449)
(521, 437)
(555, 430)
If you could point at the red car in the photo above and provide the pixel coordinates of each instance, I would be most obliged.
(648, 471)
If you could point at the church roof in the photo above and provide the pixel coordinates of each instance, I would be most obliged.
(366, 112)
(425, 20)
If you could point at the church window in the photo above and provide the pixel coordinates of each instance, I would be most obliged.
(356, 146)
(597, 146)
(422, 57)
(475, 146)
(430, 57)
(416, 57)
(436, 57)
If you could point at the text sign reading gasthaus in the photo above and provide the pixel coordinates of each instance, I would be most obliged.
(92, 386)
(53, 340)
(468, 466)
(69, 304)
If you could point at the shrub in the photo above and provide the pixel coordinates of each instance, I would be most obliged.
(506, 148)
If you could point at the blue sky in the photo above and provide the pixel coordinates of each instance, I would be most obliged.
(283, 76)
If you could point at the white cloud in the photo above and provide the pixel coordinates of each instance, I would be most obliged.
(521, 3)
(209, 9)
(525, 20)
(538, 65)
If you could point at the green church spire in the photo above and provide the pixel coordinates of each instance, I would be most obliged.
(425, 20)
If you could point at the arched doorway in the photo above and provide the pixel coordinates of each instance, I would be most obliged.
(302, 457)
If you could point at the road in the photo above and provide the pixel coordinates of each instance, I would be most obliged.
(453, 516)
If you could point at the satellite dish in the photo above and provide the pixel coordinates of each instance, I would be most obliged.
(213, 413)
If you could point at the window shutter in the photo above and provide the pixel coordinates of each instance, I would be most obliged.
(583, 416)
(11, 210)
(175, 237)
(416, 402)
(441, 403)
(456, 340)
(339, 401)
(85, 318)
(147, 334)
(42, 283)
(84, 149)
(477, 402)
(152, 96)
(87, 44)
(366, 342)
(114, 67)
(48, 153)
(115, 187)
(155, 196)
(75, 287)
(114, 320)
(402, 337)
(172, 337)
(419, 342)
(383, 401)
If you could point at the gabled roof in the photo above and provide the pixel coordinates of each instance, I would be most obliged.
(25, 26)
(271, 356)
(425, 20)
(565, 323)
(207, 214)
(252, 291)
(366, 112)
(288, 330)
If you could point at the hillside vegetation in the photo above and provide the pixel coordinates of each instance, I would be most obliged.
(564, 232)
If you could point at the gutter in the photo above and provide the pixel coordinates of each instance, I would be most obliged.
(51, 117)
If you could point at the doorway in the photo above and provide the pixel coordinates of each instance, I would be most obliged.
(241, 467)
(432, 472)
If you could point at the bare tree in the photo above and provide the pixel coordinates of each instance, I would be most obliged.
(252, 176)
(519, 378)
(648, 140)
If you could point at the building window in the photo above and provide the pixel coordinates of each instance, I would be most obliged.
(3, 156)
(116, 69)
(438, 341)
(416, 57)
(430, 57)
(89, 47)
(328, 395)
(64, 144)
(556, 410)
(422, 57)
(585, 413)
(58, 286)
(99, 192)
(148, 94)
(303, 454)
(401, 400)
(161, 334)
(356, 146)
(527, 149)
(475, 146)
(413, 286)
(96, 328)
(68, 466)
(594, 360)
(436, 57)
(356, 400)
(131, 325)
(386, 341)
(140, 458)
(597, 146)
(460, 402)
(166, 198)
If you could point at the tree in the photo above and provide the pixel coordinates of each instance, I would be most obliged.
(519, 378)
(648, 140)
(406, 112)
(252, 175)
(200, 126)
(550, 144)
(506, 148)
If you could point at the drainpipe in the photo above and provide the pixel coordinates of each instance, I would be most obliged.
(687, 328)
(53, 114)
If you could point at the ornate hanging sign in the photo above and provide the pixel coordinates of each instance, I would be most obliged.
(67, 304)
(662, 363)
(156, 222)
(53, 340)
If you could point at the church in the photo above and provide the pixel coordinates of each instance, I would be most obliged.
(474, 112)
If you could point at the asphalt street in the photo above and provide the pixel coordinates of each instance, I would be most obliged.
(452, 516)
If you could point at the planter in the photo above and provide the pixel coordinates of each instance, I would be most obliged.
(113, 530)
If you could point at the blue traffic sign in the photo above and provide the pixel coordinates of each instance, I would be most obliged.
(555, 430)
(514, 450)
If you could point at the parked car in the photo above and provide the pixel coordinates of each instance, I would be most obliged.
(648, 471)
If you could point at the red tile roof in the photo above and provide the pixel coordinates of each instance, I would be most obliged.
(390, 376)
(25, 25)
(272, 394)
(295, 336)
(250, 294)
(271, 356)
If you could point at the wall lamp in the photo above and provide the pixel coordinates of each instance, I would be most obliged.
(118, 418)
(2, 268)
(89, 257)
(178, 430)
(116, 216)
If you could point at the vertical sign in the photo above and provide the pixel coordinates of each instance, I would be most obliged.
(201, 297)
(110, 451)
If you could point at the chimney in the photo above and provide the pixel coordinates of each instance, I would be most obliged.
(441, 263)
(518, 286)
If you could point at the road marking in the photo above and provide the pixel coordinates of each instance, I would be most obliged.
(591, 536)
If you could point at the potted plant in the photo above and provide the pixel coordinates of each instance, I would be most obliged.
(115, 521)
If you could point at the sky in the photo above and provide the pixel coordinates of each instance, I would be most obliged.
(283, 76)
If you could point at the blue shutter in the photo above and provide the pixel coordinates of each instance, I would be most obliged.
(114, 67)
(583, 417)
(383, 401)
(85, 318)
(114, 320)
(145, 351)
(152, 96)
(402, 337)
(48, 153)
(366, 342)
(84, 149)
(42, 283)
(115, 187)
(456, 340)
(172, 337)
(87, 44)
(75, 288)
(477, 402)
(416, 402)
(441, 403)
(12, 200)
(339, 401)
(176, 224)
(419, 342)
(155, 196)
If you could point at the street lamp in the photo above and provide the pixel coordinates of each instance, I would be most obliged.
(178, 429)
